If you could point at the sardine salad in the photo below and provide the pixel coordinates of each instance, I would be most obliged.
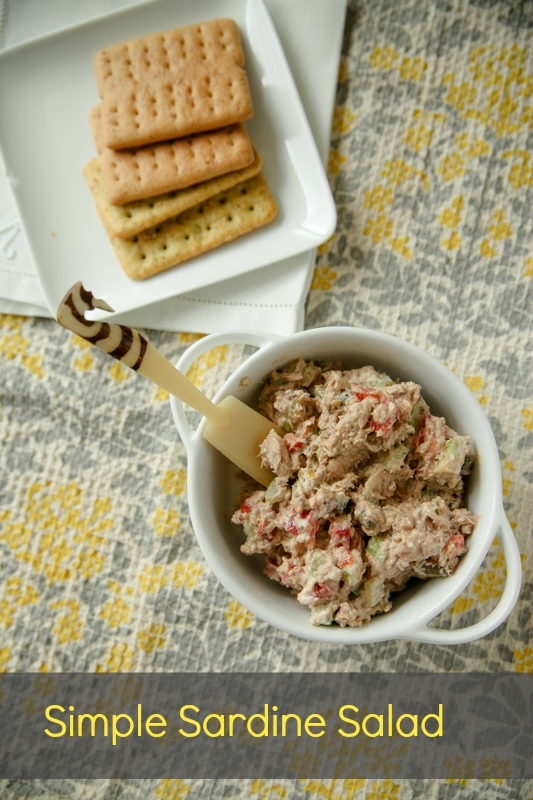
(368, 490)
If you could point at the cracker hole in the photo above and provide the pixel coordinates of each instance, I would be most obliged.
(251, 208)
(230, 219)
(222, 201)
(187, 236)
(157, 230)
(244, 191)
(150, 205)
(143, 256)
(164, 247)
(135, 239)
(129, 214)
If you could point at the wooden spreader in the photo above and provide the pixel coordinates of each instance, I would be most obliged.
(231, 426)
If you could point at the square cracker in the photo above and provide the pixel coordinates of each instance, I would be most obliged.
(95, 121)
(226, 216)
(171, 84)
(137, 174)
(125, 221)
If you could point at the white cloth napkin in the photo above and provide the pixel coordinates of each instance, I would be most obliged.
(269, 299)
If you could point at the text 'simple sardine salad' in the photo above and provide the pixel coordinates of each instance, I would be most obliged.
(368, 493)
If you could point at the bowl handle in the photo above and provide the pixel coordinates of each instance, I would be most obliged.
(499, 614)
(256, 338)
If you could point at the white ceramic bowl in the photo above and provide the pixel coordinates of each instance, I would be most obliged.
(212, 488)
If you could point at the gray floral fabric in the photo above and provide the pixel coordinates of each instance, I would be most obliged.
(432, 174)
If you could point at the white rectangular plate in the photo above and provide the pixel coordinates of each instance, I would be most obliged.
(47, 87)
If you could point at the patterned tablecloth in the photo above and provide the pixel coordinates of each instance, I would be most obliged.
(433, 178)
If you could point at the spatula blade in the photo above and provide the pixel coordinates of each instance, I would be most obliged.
(240, 436)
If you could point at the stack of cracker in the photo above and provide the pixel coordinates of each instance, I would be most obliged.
(176, 173)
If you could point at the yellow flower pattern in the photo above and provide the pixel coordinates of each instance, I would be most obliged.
(237, 616)
(173, 482)
(117, 612)
(172, 789)
(71, 542)
(14, 346)
(69, 625)
(185, 574)
(152, 638)
(166, 522)
(323, 279)
(120, 659)
(152, 579)
(206, 362)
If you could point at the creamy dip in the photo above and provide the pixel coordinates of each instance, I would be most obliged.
(368, 493)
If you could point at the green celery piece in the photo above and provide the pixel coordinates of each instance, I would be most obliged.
(394, 461)
(384, 380)
(273, 492)
(373, 591)
(310, 373)
(290, 367)
(318, 559)
(451, 451)
(376, 547)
